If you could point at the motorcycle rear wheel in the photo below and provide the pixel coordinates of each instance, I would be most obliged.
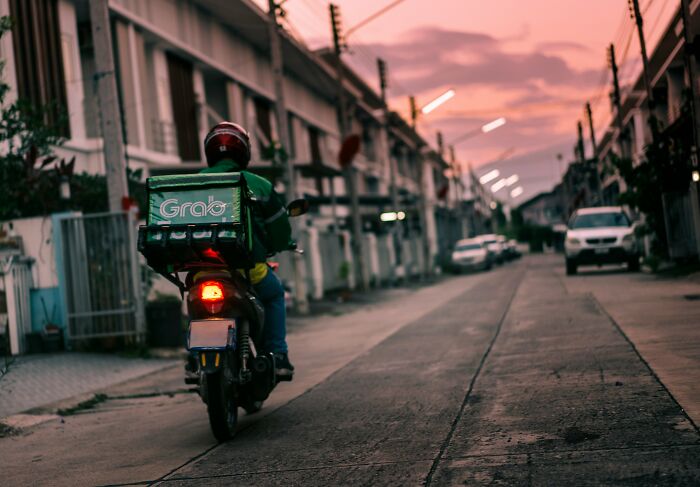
(221, 407)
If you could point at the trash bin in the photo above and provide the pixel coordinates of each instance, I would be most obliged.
(34, 342)
(164, 322)
(52, 339)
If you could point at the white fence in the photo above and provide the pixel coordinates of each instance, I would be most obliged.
(329, 261)
(15, 282)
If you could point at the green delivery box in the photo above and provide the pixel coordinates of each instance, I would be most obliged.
(190, 213)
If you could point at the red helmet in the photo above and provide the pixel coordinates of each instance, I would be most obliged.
(227, 140)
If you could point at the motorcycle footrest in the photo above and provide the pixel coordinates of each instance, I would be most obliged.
(192, 380)
(284, 378)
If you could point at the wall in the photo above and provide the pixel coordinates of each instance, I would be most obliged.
(38, 243)
(37, 240)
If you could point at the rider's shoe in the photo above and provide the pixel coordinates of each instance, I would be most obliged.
(191, 375)
(284, 370)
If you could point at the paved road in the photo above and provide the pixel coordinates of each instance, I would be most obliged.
(509, 379)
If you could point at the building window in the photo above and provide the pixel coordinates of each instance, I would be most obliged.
(184, 108)
(39, 61)
(264, 127)
(315, 146)
(368, 142)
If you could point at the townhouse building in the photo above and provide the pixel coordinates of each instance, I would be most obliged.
(181, 66)
(629, 135)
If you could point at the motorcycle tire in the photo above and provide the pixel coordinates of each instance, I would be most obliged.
(252, 406)
(221, 407)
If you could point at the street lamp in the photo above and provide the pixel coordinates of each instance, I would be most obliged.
(484, 129)
(504, 183)
(437, 101)
(512, 180)
(372, 17)
(430, 106)
(499, 122)
(489, 176)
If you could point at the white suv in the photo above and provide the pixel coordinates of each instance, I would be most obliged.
(603, 235)
(471, 254)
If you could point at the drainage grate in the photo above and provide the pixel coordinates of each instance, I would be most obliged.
(692, 297)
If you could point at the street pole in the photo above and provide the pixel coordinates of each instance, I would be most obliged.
(348, 171)
(589, 116)
(579, 142)
(422, 201)
(108, 102)
(300, 290)
(637, 15)
(617, 99)
(459, 189)
(397, 226)
(691, 66)
(598, 174)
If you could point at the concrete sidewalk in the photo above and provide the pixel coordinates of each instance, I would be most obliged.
(659, 315)
(33, 381)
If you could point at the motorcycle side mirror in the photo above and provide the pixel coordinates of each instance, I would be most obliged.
(298, 207)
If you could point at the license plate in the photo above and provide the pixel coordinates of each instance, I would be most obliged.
(212, 334)
(602, 251)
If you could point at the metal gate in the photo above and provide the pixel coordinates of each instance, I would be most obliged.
(99, 276)
(678, 217)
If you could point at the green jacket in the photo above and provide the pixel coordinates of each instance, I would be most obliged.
(272, 232)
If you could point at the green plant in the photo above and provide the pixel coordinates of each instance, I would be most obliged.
(344, 271)
(31, 175)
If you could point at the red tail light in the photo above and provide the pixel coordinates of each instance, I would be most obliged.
(211, 292)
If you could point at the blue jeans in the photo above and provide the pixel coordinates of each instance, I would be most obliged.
(271, 294)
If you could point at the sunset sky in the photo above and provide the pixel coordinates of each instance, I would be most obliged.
(535, 62)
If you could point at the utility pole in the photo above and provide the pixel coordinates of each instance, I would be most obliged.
(108, 102)
(422, 201)
(691, 66)
(459, 189)
(300, 291)
(579, 142)
(596, 162)
(617, 100)
(589, 117)
(349, 171)
(636, 14)
(397, 227)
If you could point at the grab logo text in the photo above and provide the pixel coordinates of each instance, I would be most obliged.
(172, 208)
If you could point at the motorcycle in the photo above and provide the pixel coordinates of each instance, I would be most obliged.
(224, 341)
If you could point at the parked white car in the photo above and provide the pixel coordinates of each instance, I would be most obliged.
(495, 244)
(471, 254)
(512, 250)
(597, 236)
